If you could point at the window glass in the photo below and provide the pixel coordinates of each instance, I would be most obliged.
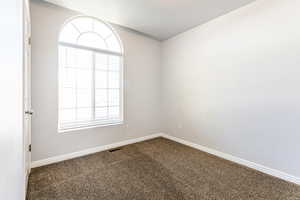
(90, 75)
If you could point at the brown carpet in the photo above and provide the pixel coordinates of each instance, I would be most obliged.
(157, 169)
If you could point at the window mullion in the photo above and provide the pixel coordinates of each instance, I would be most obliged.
(93, 86)
(107, 88)
(76, 89)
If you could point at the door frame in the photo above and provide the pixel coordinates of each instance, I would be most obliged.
(26, 89)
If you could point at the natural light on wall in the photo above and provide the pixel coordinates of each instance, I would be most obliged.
(90, 75)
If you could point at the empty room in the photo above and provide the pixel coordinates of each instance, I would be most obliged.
(150, 100)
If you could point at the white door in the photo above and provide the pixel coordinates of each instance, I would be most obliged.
(27, 90)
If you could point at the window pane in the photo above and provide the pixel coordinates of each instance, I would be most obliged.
(101, 79)
(84, 59)
(101, 113)
(84, 114)
(68, 98)
(68, 77)
(113, 44)
(114, 97)
(71, 57)
(102, 29)
(84, 98)
(114, 63)
(114, 81)
(67, 115)
(101, 98)
(84, 79)
(101, 61)
(92, 40)
(114, 112)
(83, 24)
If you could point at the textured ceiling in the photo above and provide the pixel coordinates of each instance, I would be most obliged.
(160, 19)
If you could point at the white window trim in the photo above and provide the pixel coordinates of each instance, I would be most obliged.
(95, 123)
(90, 126)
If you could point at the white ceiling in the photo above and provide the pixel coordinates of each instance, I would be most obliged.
(160, 19)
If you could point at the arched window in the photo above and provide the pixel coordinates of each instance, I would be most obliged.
(90, 75)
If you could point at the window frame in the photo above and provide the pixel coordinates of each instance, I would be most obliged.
(87, 124)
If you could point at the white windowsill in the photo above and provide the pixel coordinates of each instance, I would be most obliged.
(67, 130)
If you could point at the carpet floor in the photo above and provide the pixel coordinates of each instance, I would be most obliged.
(157, 169)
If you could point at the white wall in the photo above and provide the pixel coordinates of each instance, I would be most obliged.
(233, 84)
(142, 88)
(12, 177)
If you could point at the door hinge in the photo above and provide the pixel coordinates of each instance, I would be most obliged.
(29, 41)
(29, 148)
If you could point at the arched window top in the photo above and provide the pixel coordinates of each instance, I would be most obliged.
(91, 33)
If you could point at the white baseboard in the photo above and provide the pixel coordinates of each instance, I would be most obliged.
(69, 156)
(258, 167)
